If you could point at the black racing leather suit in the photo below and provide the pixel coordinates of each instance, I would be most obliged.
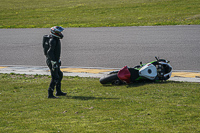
(53, 54)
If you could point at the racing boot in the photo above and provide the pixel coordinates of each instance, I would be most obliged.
(58, 90)
(50, 93)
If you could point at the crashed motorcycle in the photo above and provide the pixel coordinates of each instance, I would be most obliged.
(160, 69)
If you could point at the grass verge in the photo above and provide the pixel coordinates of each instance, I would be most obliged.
(96, 13)
(91, 107)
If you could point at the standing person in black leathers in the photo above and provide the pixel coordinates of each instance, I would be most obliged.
(54, 63)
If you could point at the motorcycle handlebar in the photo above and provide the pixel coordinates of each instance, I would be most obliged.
(156, 58)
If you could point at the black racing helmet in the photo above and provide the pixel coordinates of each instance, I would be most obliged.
(56, 31)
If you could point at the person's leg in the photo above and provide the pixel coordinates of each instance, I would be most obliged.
(53, 80)
(58, 85)
(51, 89)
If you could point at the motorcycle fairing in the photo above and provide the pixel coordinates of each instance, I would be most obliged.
(124, 74)
(148, 71)
(168, 72)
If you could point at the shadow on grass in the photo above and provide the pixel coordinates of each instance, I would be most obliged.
(141, 83)
(87, 97)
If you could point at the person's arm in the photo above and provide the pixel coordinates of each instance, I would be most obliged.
(50, 52)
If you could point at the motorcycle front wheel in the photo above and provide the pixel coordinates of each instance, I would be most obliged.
(113, 78)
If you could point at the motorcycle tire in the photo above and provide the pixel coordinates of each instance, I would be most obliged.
(109, 79)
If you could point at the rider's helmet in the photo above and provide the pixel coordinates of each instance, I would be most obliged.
(56, 31)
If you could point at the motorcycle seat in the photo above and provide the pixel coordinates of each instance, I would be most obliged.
(134, 74)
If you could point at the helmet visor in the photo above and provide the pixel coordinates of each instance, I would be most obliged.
(60, 29)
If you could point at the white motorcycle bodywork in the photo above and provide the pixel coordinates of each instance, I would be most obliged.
(148, 71)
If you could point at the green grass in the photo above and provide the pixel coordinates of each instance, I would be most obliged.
(97, 13)
(91, 107)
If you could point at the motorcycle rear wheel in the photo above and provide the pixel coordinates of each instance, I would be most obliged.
(109, 79)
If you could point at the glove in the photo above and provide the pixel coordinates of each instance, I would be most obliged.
(59, 62)
(54, 65)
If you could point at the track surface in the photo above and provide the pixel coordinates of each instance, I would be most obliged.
(109, 47)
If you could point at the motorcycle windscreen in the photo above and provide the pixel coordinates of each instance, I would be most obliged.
(124, 74)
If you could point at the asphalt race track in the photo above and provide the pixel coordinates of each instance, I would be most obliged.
(109, 47)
